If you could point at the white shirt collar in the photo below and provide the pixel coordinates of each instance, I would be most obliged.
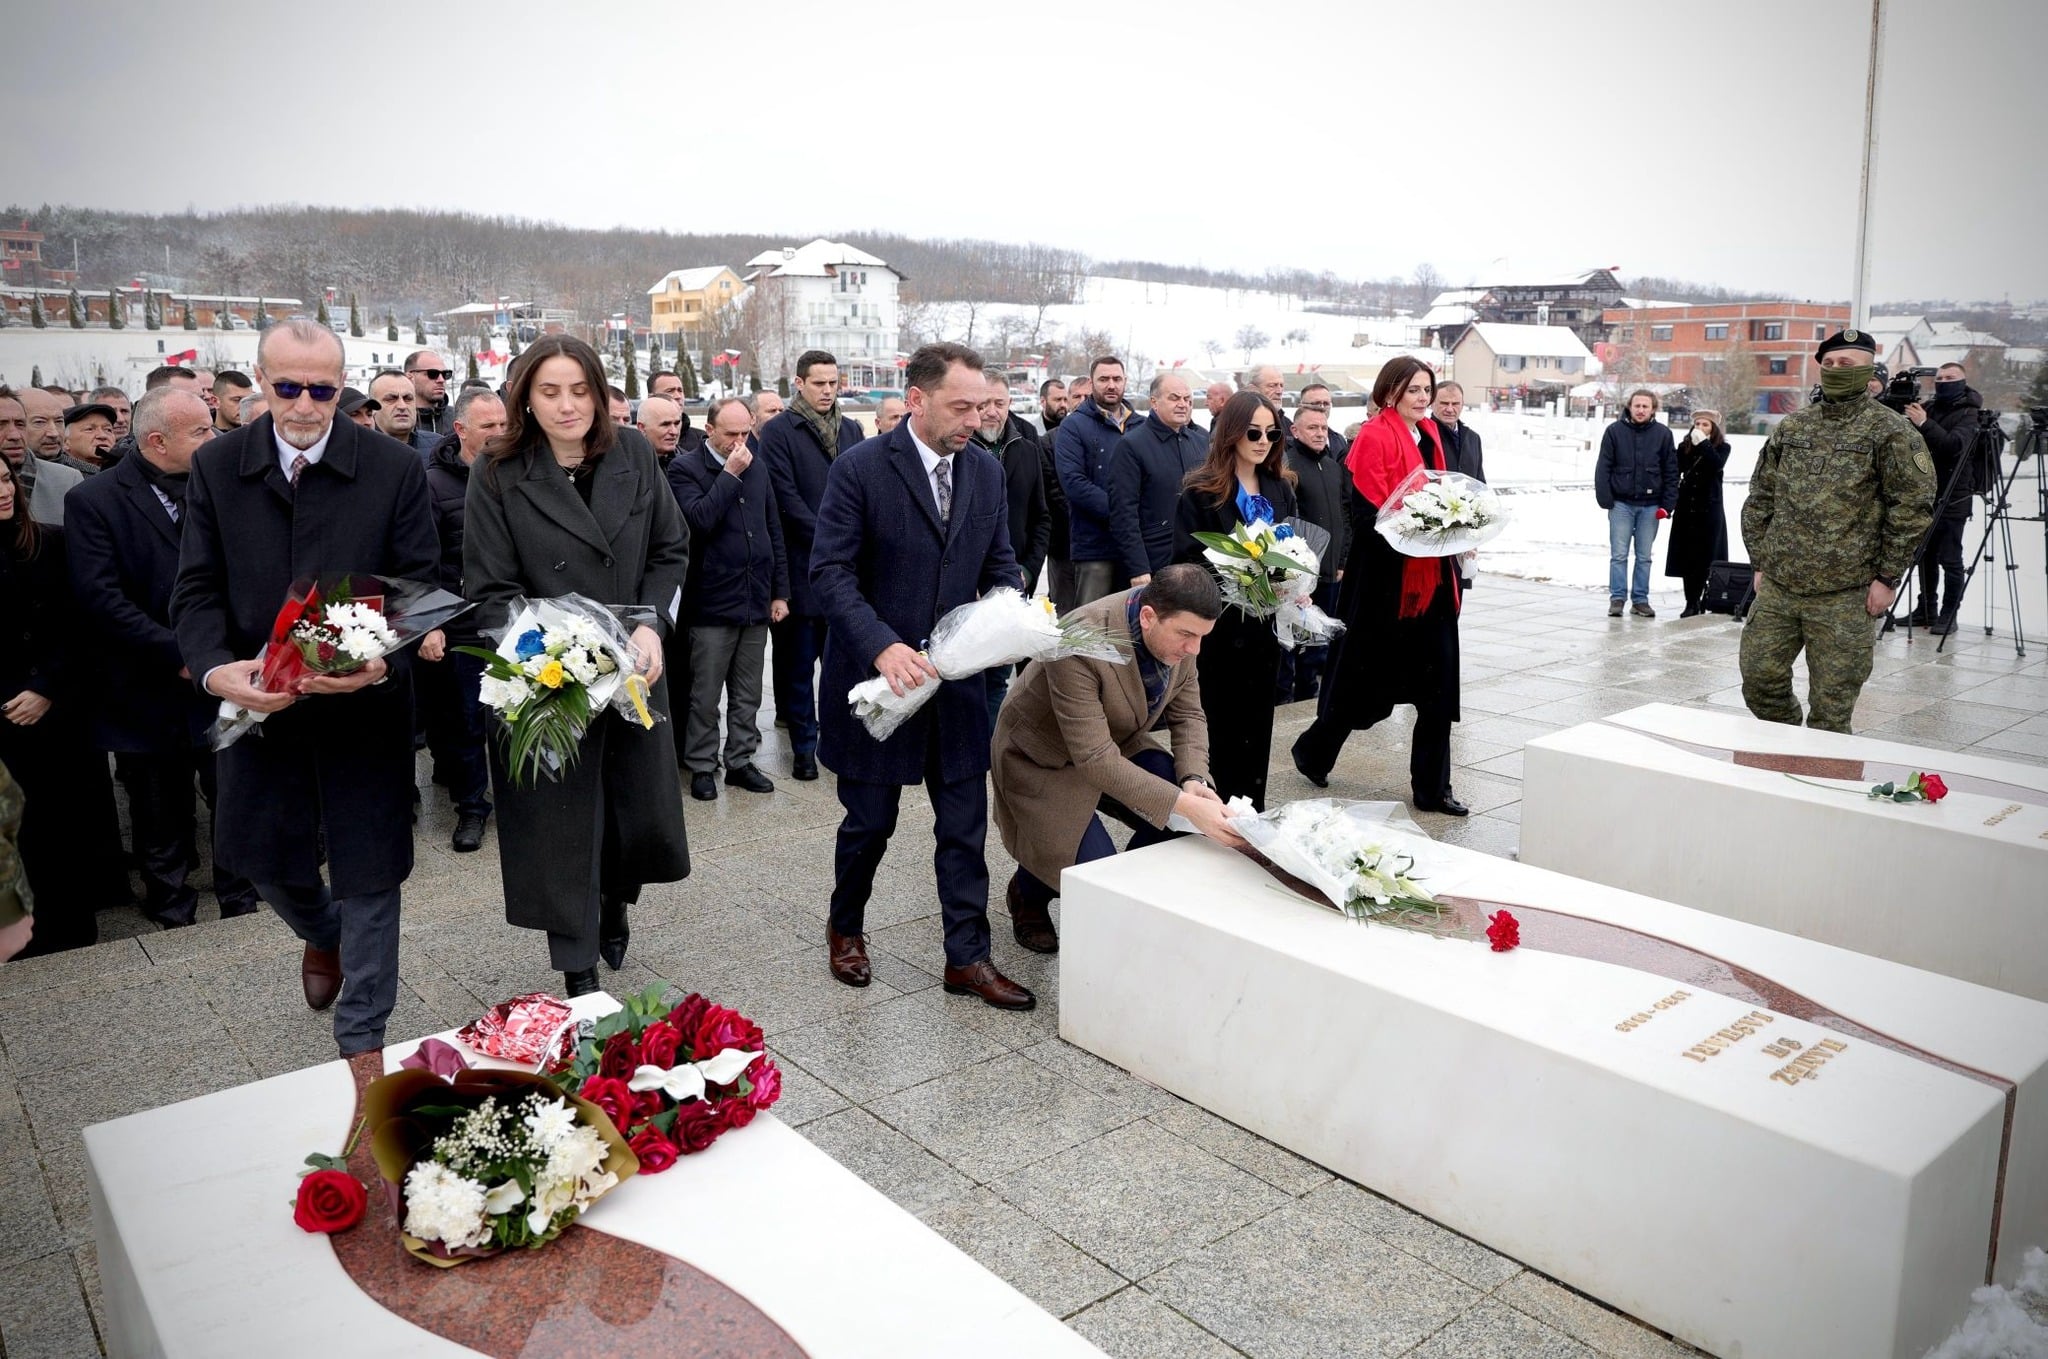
(286, 453)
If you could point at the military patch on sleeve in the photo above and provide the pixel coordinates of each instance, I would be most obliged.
(1922, 461)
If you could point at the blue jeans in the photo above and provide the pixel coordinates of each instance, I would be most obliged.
(365, 931)
(1627, 522)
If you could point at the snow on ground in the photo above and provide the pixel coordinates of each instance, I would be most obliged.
(2005, 1323)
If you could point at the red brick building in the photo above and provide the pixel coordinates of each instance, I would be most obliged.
(1683, 343)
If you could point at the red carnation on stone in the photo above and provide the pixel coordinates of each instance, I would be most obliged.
(1504, 933)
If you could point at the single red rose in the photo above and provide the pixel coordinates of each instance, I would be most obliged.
(659, 1043)
(326, 652)
(1505, 932)
(687, 1015)
(329, 1201)
(767, 1082)
(620, 1056)
(611, 1094)
(734, 1113)
(648, 1103)
(656, 1152)
(721, 1029)
(696, 1128)
(1932, 788)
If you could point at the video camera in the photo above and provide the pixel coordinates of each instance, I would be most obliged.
(1904, 389)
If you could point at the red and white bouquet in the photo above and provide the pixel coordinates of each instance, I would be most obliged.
(336, 625)
(673, 1079)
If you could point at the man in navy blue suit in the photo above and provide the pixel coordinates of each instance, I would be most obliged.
(913, 523)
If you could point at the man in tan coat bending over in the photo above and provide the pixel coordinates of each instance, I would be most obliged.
(1075, 739)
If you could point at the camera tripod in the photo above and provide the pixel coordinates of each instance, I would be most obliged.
(1999, 520)
(1909, 584)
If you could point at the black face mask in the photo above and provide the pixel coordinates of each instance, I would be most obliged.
(1950, 391)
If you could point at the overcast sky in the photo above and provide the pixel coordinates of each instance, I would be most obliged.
(1716, 141)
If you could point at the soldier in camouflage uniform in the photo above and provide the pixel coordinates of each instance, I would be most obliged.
(1841, 496)
(17, 903)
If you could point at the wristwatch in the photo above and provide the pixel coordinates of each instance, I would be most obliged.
(1197, 778)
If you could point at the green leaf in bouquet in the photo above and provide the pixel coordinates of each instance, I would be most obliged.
(1224, 542)
(665, 1121)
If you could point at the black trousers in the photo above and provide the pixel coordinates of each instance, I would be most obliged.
(161, 811)
(1429, 754)
(960, 811)
(1942, 563)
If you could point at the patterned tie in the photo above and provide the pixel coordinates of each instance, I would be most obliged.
(299, 464)
(945, 480)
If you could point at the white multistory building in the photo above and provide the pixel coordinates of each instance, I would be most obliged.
(830, 296)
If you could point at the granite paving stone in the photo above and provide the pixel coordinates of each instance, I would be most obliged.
(1277, 1166)
(1139, 1198)
(1493, 1330)
(1368, 1298)
(994, 1117)
(43, 1313)
(1098, 1077)
(875, 1051)
(1036, 1262)
(1135, 1325)
(1602, 1329)
(886, 1159)
(804, 1096)
(1459, 1256)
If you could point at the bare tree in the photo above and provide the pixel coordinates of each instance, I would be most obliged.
(1250, 338)
(1727, 383)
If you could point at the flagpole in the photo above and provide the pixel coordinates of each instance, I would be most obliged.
(1872, 78)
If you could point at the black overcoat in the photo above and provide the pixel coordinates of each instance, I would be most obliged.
(334, 768)
(798, 467)
(885, 571)
(1240, 658)
(614, 819)
(1699, 526)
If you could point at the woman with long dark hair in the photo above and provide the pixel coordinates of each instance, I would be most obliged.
(1400, 638)
(1699, 526)
(43, 740)
(1244, 478)
(563, 503)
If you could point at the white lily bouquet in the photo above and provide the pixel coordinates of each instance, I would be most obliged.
(557, 665)
(1358, 855)
(1000, 628)
(1268, 570)
(1440, 514)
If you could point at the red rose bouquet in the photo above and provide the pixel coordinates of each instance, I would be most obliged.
(336, 625)
(674, 1079)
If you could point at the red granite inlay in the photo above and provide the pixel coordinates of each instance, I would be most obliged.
(587, 1295)
(1807, 766)
(1860, 771)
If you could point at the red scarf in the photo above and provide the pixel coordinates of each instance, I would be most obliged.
(1382, 456)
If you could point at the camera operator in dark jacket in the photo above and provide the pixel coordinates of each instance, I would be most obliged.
(1948, 425)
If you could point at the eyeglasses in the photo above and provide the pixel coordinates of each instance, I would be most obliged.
(1259, 436)
(322, 392)
(438, 374)
(1315, 405)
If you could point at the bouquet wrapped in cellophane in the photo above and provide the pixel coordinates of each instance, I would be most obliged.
(1269, 570)
(557, 664)
(1000, 628)
(1366, 858)
(335, 625)
(1440, 514)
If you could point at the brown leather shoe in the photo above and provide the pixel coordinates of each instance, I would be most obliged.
(849, 956)
(1031, 923)
(982, 979)
(320, 974)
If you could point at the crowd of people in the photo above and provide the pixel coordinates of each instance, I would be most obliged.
(145, 548)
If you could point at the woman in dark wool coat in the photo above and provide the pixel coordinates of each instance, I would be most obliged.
(567, 503)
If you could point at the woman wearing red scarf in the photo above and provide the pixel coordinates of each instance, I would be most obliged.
(1400, 638)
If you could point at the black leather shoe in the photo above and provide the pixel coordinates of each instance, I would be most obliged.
(704, 788)
(469, 833)
(1031, 922)
(1321, 780)
(805, 768)
(1448, 805)
(749, 778)
(612, 932)
(582, 983)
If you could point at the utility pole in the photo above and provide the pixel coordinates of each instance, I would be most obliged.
(1860, 297)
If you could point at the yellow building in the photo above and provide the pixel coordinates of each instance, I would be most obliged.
(686, 299)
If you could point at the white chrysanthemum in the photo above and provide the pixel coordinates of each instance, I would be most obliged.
(503, 696)
(549, 1122)
(581, 665)
(443, 1206)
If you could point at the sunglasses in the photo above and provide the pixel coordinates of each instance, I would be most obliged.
(438, 374)
(1259, 436)
(322, 392)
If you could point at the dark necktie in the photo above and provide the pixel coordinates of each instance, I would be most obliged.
(299, 464)
(944, 476)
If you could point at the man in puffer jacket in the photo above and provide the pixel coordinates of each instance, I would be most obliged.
(1636, 482)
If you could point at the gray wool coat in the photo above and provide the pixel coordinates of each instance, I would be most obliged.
(614, 819)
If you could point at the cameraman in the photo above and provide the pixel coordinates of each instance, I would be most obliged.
(1948, 424)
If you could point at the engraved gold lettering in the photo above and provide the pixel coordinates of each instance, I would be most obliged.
(2001, 814)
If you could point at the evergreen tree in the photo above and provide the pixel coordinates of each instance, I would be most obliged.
(754, 377)
(512, 339)
(687, 371)
(390, 327)
(262, 314)
(632, 371)
(2037, 395)
(225, 317)
(326, 321)
(782, 386)
(152, 311)
(471, 355)
(419, 330)
(355, 318)
(35, 375)
(36, 317)
(75, 308)
(191, 321)
(117, 316)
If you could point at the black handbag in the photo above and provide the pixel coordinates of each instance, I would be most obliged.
(1729, 589)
